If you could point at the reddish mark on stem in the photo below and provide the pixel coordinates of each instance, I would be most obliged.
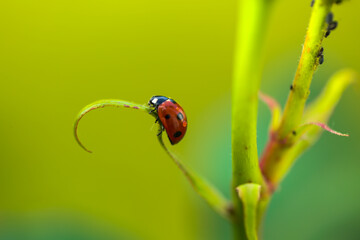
(127, 106)
(136, 107)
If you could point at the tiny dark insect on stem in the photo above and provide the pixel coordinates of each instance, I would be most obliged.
(332, 25)
(329, 17)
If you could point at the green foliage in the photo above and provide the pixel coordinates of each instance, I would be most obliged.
(208, 192)
(319, 111)
(309, 61)
(211, 195)
(291, 133)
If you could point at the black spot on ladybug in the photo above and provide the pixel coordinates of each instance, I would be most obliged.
(177, 134)
(167, 116)
(180, 116)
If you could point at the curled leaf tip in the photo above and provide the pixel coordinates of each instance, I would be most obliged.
(274, 107)
(327, 128)
(269, 101)
(102, 104)
(77, 136)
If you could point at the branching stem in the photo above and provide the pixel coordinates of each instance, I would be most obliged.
(280, 139)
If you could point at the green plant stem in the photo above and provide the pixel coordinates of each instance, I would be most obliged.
(308, 62)
(279, 142)
(319, 110)
(209, 193)
(252, 21)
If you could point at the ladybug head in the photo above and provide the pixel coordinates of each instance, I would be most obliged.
(155, 101)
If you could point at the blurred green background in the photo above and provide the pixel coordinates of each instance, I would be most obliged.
(57, 56)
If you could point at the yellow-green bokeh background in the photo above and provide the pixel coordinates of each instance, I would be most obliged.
(57, 56)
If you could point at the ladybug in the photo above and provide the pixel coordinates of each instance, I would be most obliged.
(171, 116)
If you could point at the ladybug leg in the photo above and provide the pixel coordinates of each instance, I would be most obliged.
(162, 129)
(157, 119)
(152, 110)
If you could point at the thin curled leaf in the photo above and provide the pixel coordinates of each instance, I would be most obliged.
(275, 109)
(327, 128)
(319, 111)
(209, 193)
(101, 104)
(306, 128)
(249, 194)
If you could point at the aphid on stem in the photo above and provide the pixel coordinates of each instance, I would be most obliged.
(332, 25)
(329, 17)
(321, 56)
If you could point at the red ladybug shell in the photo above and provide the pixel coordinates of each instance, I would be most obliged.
(174, 120)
